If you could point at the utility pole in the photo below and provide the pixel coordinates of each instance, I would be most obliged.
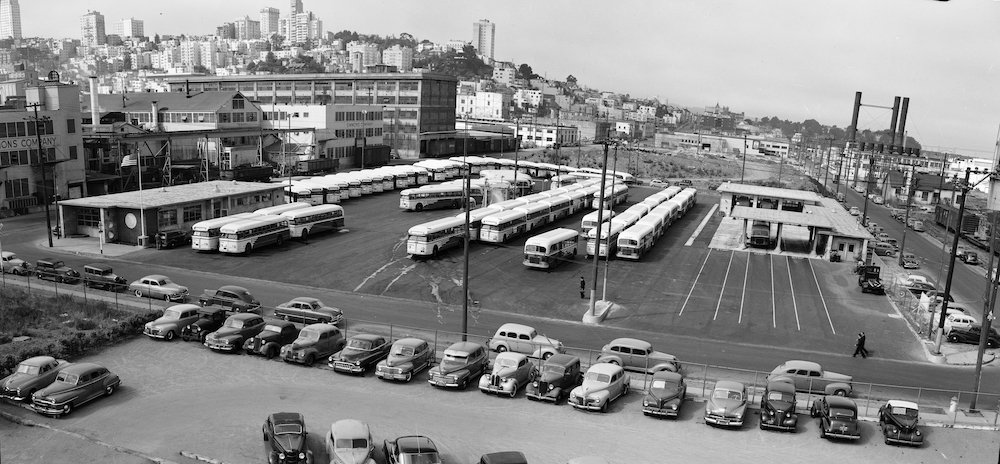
(592, 312)
(909, 199)
(951, 265)
(826, 167)
(42, 162)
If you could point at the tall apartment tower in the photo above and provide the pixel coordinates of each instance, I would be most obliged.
(130, 27)
(269, 21)
(483, 33)
(92, 29)
(246, 28)
(10, 19)
(296, 7)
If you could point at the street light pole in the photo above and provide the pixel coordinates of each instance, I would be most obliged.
(909, 200)
(826, 167)
(744, 170)
(991, 299)
(465, 253)
(600, 218)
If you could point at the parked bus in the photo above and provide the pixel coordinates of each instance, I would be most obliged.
(590, 220)
(205, 234)
(639, 208)
(635, 241)
(245, 235)
(302, 222)
(608, 241)
(613, 195)
(278, 209)
(760, 235)
(559, 207)
(624, 177)
(564, 180)
(550, 249)
(628, 218)
(437, 172)
(331, 188)
(499, 227)
(508, 205)
(576, 201)
(476, 220)
(432, 197)
(430, 238)
(536, 214)
(655, 221)
(353, 189)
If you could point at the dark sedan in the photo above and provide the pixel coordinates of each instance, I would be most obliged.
(838, 417)
(362, 351)
(74, 385)
(285, 439)
(666, 395)
(777, 407)
(972, 334)
(898, 421)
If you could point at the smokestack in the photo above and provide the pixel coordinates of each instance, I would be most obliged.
(95, 113)
(156, 116)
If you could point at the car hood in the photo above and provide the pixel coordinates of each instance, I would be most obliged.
(395, 360)
(663, 394)
(289, 442)
(590, 387)
(661, 356)
(903, 422)
(162, 321)
(451, 367)
(352, 455)
(55, 388)
(781, 405)
(551, 378)
(225, 333)
(17, 380)
(504, 372)
(301, 343)
(725, 404)
(351, 355)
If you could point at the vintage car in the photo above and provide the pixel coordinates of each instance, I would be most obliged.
(173, 320)
(957, 321)
(777, 407)
(411, 449)
(308, 311)
(285, 439)
(503, 457)
(171, 238)
(238, 299)
(361, 352)
(637, 355)
(315, 341)
(809, 377)
(158, 287)
(657, 183)
(602, 384)
(666, 395)
(898, 421)
(407, 357)
(270, 340)
(462, 361)
(969, 257)
(31, 375)
(209, 320)
(511, 371)
(727, 405)
(11, 264)
(910, 261)
(838, 417)
(75, 385)
(972, 334)
(55, 270)
(559, 375)
(520, 338)
(350, 442)
(234, 331)
(100, 275)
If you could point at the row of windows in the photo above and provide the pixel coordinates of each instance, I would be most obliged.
(178, 117)
(385, 86)
(253, 199)
(14, 188)
(357, 116)
(340, 152)
(192, 213)
(88, 217)
(354, 133)
(28, 128)
(237, 117)
(262, 230)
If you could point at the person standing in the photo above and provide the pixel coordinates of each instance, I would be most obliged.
(583, 287)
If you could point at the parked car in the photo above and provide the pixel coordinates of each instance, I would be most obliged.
(172, 322)
(972, 334)
(855, 211)
(209, 319)
(838, 417)
(269, 341)
(285, 439)
(31, 375)
(666, 395)
(362, 352)
(809, 377)
(602, 384)
(407, 357)
(511, 371)
(878, 200)
(158, 287)
(75, 385)
(315, 341)
(55, 270)
(910, 261)
(895, 213)
(637, 355)
(308, 310)
(684, 183)
(958, 321)
(559, 375)
(883, 237)
(11, 264)
(236, 298)
(411, 449)
(777, 407)
(727, 404)
(969, 257)
(858, 188)
(657, 183)
(898, 421)
(504, 457)
(917, 226)
(100, 275)
(171, 238)
(350, 442)
(234, 331)
(462, 361)
(520, 338)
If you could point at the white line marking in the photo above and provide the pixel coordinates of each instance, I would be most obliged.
(695, 282)
(724, 280)
(791, 286)
(702, 225)
(746, 274)
(820, 290)
(774, 309)
(363, 282)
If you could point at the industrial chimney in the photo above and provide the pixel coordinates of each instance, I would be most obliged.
(95, 112)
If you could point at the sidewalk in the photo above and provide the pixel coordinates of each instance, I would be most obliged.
(86, 246)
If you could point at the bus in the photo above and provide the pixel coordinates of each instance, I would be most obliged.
(477, 188)
(499, 227)
(550, 249)
(245, 235)
(609, 239)
(476, 220)
(628, 218)
(577, 201)
(656, 221)
(331, 188)
(670, 210)
(298, 193)
(624, 177)
(302, 222)
(430, 238)
(639, 208)
(590, 220)
(613, 195)
(508, 205)
(635, 241)
(536, 214)
(433, 197)
(564, 180)
(205, 234)
(437, 172)
(559, 207)
(353, 189)
(278, 209)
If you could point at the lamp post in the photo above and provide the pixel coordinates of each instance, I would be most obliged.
(364, 136)
(909, 199)
(465, 253)
(826, 167)
(744, 170)
(517, 148)
(600, 218)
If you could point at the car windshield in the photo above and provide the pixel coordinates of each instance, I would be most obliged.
(351, 443)
(272, 328)
(28, 369)
(171, 314)
(234, 323)
(722, 393)
(506, 362)
(309, 334)
(662, 384)
(68, 378)
(903, 411)
(285, 429)
(598, 377)
(841, 413)
(422, 458)
(403, 351)
(780, 396)
(452, 361)
(360, 344)
(553, 369)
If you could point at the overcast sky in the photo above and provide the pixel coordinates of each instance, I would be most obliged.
(793, 59)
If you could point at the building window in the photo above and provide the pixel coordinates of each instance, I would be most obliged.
(192, 213)
(14, 188)
(71, 126)
(238, 117)
(223, 118)
(167, 218)
(72, 152)
(251, 117)
(88, 217)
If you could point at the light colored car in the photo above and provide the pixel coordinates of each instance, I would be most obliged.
(75, 385)
(727, 405)
(602, 384)
(917, 226)
(878, 200)
(158, 287)
(11, 264)
(462, 361)
(657, 183)
(407, 357)
(350, 442)
(174, 319)
(520, 338)
(31, 375)
(308, 310)
(914, 279)
(511, 371)
(855, 211)
(958, 321)
(637, 355)
(809, 377)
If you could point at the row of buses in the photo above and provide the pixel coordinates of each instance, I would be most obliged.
(630, 234)
(244, 232)
(335, 188)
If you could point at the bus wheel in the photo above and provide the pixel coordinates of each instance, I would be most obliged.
(419, 207)
(305, 234)
(248, 249)
(454, 204)
(435, 253)
(280, 240)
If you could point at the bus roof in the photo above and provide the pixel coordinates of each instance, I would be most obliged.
(532, 207)
(509, 204)
(637, 231)
(220, 221)
(318, 209)
(552, 236)
(245, 224)
(607, 214)
(436, 225)
(479, 213)
(497, 218)
(615, 228)
(278, 209)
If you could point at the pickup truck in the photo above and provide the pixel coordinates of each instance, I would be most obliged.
(237, 299)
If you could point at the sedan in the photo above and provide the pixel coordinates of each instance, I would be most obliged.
(158, 287)
(910, 261)
(350, 442)
(74, 386)
(32, 374)
(728, 404)
(666, 394)
(972, 334)
(511, 371)
(308, 310)
(777, 407)
(602, 384)
(361, 352)
(407, 357)
(413, 449)
(838, 417)
(285, 439)
(898, 421)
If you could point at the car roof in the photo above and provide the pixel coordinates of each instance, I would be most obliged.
(462, 348)
(562, 359)
(233, 288)
(631, 342)
(667, 375)
(350, 428)
(415, 444)
(781, 386)
(841, 402)
(101, 266)
(797, 364)
(243, 316)
(305, 299)
(38, 360)
(504, 457)
(80, 368)
(321, 327)
(368, 337)
(605, 368)
(183, 307)
(902, 404)
(729, 385)
(516, 327)
(7, 253)
(211, 309)
(518, 357)
(409, 342)
(279, 323)
(287, 418)
(154, 277)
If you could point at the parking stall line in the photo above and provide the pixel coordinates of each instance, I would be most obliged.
(820, 290)
(743, 298)
(723, 290)
(774, 308)
(791, 285)
(697, 232)
(695, 284)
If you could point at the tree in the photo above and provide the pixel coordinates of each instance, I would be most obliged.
(525, 72)
(156, 39)
(570, 79)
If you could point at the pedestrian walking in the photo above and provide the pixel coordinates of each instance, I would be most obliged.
(859, 346)
(583, 287)
(864, 350)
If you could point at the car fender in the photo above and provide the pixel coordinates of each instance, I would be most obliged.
(784, 379)
(664, 367)
(834, 386)
(611, 359)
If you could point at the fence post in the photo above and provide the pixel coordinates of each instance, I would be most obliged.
(704, 381)
(750, 400)
(390, 332)
(868, 401)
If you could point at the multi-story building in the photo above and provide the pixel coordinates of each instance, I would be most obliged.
(10, 19)
(334, 131)
(190, 53)
(399, 56)
(483, 33)
(484, 105)
(92, 29)
(208, 55)
(247, 29)
(535, 135)
(364, 54)
(504, 74)
(269, 21)
(527, 97)
(130, 27)
(302, 28)
(227, 31)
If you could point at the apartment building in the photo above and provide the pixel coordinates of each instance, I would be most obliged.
(10, 20)
(399, 56)
(92, 31)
